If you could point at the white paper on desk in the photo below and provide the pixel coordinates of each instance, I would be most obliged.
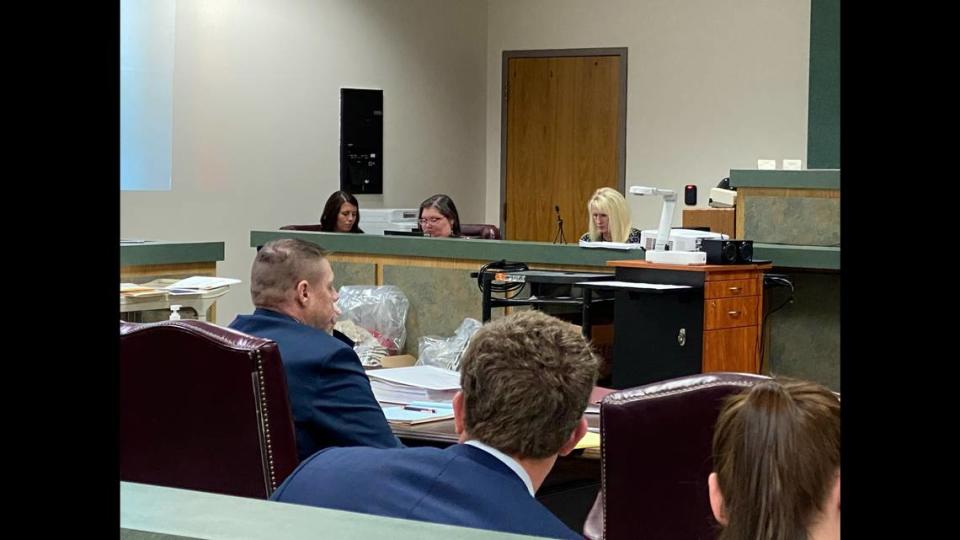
(388, 392)
(429, 377)
(634, 285)
(402, 415)
(184, 292)
(133, 287)
(610, 245)
(203, 283)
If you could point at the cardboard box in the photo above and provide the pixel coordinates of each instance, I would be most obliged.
(398, 360)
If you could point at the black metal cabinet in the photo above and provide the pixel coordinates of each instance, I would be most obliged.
(659, 335)
(658, 332)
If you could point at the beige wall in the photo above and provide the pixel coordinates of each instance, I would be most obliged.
(256, 115)
(712, 85)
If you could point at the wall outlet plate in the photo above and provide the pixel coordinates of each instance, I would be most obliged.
(791, 164)
(766, 164)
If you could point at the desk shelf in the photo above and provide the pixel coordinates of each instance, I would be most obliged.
(537, 278)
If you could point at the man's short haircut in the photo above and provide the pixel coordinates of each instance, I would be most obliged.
(526, 380)
(279, 266)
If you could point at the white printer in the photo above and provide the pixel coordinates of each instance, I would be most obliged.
(679, 240)
(377, 220)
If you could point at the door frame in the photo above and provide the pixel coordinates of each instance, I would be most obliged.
(621, 52)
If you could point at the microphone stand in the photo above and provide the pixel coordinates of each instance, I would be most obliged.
(559, 236)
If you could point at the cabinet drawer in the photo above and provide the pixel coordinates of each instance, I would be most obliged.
(732, 349)
(730, 312)
(731, 288)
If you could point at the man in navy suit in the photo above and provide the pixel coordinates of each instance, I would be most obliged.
(525, 381)
(292, 288)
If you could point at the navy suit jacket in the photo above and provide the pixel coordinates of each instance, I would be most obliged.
(330, 395)
(458, 485)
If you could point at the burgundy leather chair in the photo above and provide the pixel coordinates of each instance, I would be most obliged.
(656, 445)
(205, 408)
(481, 230)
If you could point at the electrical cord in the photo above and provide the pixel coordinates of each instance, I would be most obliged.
(504, 266)
(773, 280)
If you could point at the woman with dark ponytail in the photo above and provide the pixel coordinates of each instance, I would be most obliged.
(776, 462)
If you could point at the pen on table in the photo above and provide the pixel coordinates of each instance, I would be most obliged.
(421, 409)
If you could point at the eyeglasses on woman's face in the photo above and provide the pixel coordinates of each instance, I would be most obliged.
(431, 220)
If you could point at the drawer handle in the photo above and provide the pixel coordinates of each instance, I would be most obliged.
(734, 314)
(735, 289)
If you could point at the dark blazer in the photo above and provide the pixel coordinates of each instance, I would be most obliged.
(330, 395)
(459, 485)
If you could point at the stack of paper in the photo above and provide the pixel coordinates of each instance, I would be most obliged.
(596, 396)
(415, 383)
(132, 290)
(609, 245)
(195, 284)
(418, 412)
(590, 440)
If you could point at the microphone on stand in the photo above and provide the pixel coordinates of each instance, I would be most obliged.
(559, 237)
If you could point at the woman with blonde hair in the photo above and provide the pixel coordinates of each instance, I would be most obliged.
(609, 218)
(776, 462)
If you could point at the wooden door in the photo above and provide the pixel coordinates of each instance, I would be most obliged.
(564, 136)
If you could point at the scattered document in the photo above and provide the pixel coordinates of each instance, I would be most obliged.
(414, 383)
(610, 245)
(132, 290)
(133, 287)
(419, 412)
(203, 283)
(634, 285)
(590, 440)
(429, 377)
(596, 396)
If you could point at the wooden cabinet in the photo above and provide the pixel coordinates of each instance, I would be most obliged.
(732, 314)
(719, 220)
(713, 325)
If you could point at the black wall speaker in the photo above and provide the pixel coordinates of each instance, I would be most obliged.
(690, 195)
(744, 251)
(719, 251)
(727, 251)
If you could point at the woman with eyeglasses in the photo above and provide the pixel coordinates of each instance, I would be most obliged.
(341, 214)
(439, 217)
